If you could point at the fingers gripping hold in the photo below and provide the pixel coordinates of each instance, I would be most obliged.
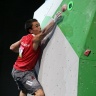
(57, 16)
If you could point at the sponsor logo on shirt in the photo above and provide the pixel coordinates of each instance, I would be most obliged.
(24, 44)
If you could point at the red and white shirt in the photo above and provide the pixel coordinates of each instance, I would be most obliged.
(27, 55)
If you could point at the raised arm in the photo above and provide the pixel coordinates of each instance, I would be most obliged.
(51, 25)
(38, 38)
(15, 46)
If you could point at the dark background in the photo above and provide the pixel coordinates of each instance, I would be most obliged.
(13, 15)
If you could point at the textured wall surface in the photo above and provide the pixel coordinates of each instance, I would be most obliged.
(65, 70)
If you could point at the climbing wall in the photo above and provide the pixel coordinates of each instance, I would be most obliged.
(68, 63)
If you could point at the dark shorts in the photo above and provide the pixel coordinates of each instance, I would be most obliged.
(26, 81)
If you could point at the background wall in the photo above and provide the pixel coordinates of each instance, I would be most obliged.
(65, 70)
(59, 63)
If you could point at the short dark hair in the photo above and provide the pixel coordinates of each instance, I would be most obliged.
(28, 24)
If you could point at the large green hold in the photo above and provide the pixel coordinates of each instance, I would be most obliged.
(79, 27)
